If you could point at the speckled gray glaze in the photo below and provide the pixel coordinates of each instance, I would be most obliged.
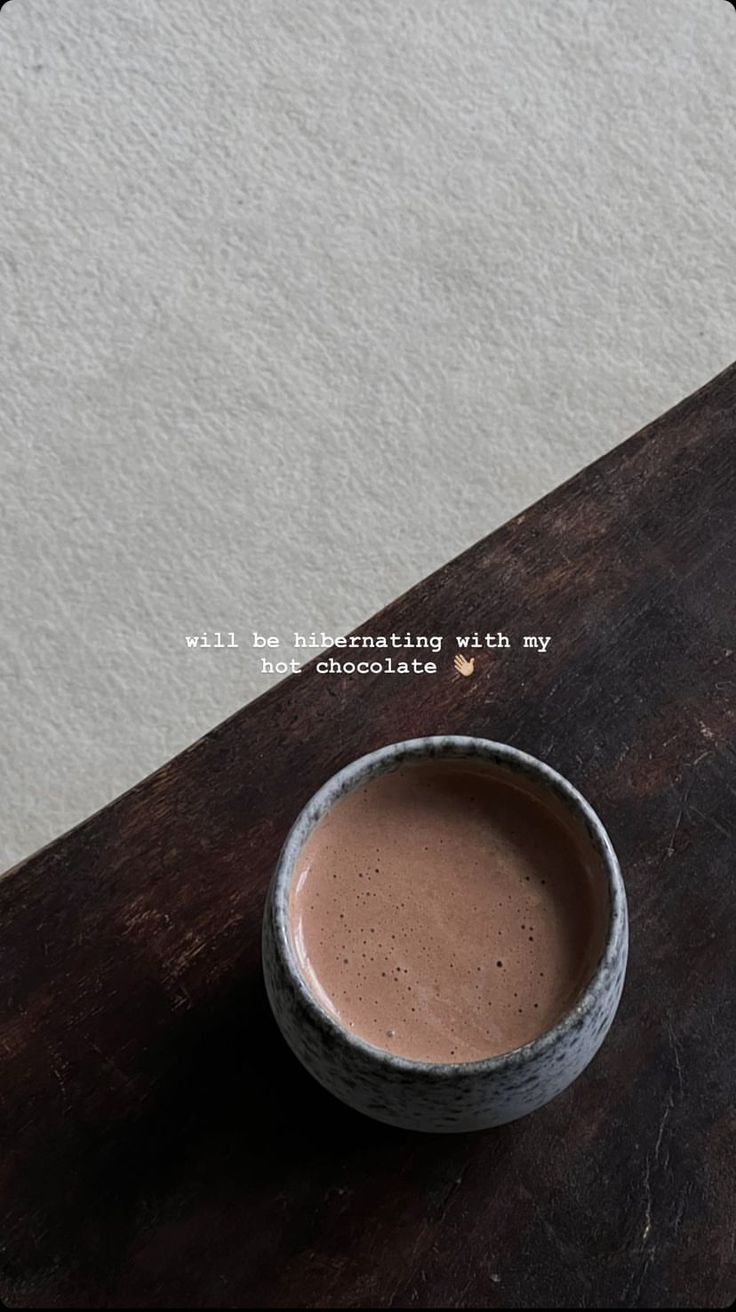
(425, 1096)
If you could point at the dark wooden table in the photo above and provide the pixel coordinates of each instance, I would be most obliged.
(160, 1146)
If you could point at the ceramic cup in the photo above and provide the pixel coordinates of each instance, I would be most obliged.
(430, 1096)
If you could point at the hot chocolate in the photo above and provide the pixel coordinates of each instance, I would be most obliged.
(447, 912)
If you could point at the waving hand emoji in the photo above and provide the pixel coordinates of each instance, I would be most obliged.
(464, 666)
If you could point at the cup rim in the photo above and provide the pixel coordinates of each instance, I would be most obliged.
(458, 747)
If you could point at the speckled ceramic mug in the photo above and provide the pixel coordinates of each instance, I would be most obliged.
(428, 1096)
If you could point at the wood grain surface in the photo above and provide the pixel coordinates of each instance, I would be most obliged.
(161, 1147)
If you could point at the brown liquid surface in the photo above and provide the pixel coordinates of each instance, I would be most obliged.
(445, 914)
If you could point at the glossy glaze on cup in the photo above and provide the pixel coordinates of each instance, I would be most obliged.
(420, 1095)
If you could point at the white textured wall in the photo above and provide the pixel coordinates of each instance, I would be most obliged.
(297, 301)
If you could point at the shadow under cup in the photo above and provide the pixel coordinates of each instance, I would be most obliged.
(439, 1092)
